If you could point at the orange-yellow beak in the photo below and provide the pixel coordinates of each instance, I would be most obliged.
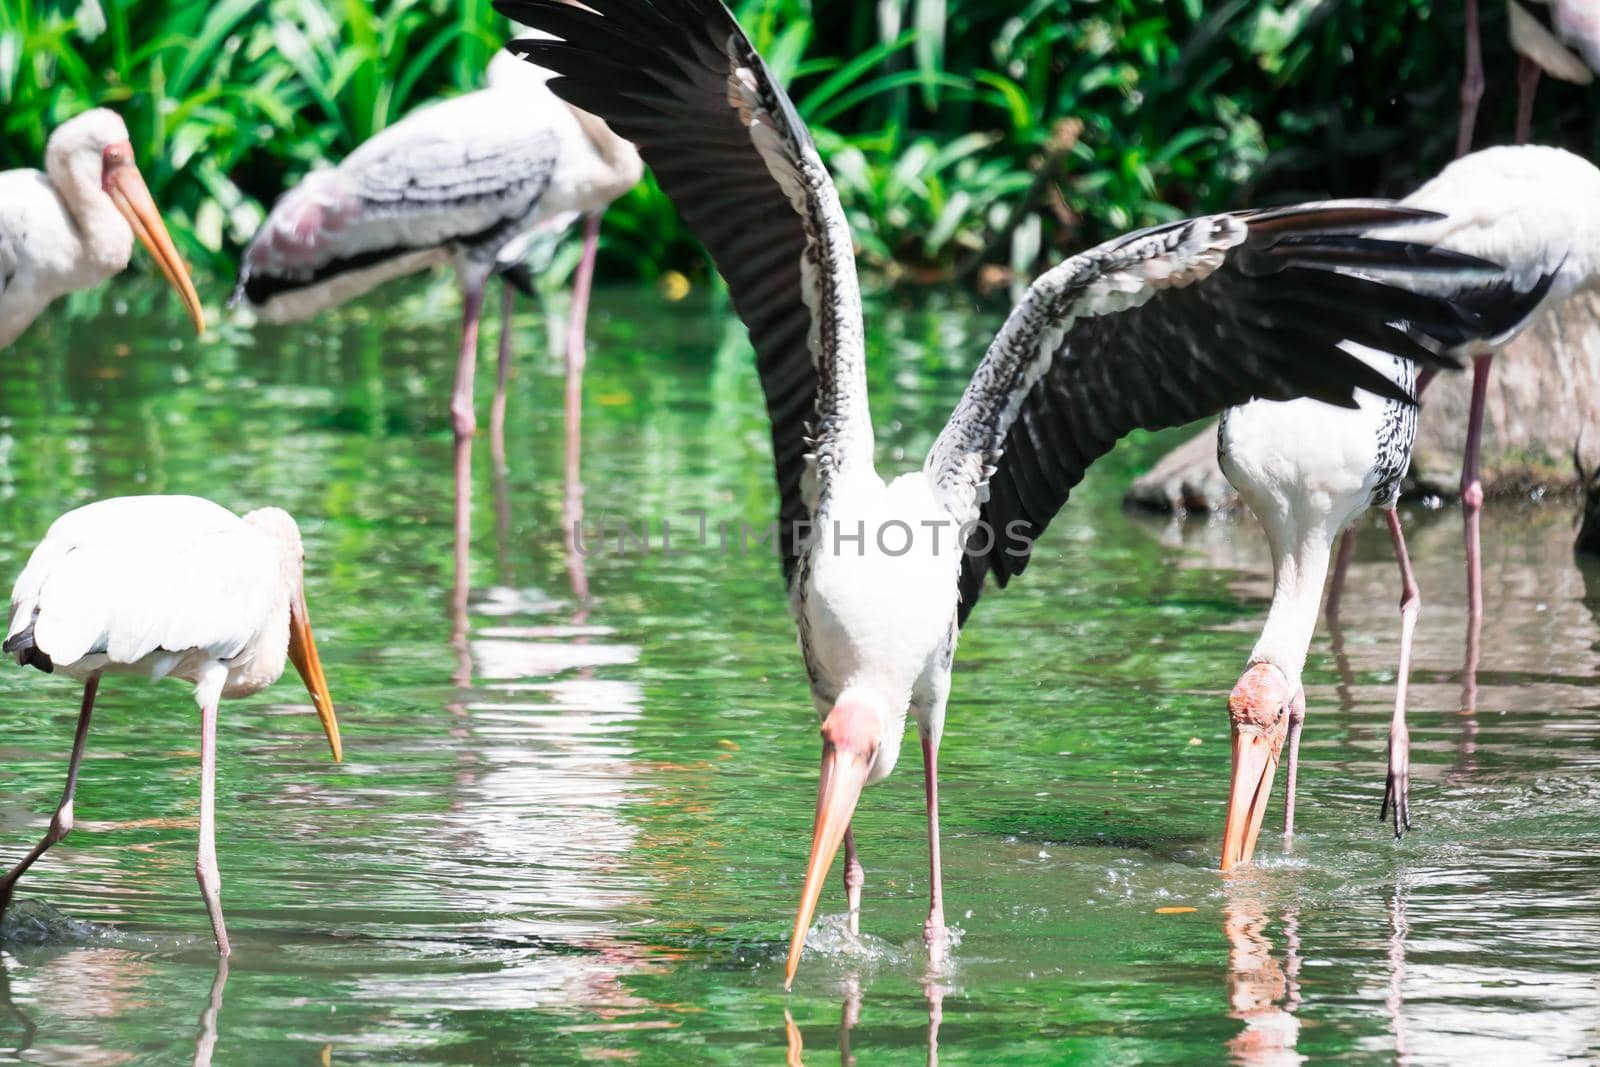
(303, 653)
(1255, 761)
(849, 743)
(126, 187)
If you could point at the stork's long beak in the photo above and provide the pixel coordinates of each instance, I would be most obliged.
(126, 187)
(1255, 761)
(303, 653)
(844, 775)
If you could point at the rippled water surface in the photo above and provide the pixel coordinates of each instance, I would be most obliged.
(575, 832)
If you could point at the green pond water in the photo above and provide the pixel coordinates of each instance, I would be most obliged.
(577, 833)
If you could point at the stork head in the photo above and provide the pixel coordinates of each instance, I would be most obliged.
(93, 152)
(1258, 714)
(860, 744)
(280, 527)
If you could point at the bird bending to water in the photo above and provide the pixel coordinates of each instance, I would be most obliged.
(72, 225)
(167, 586)
(1560, 38)
(1153, 329)
(465, 181)
(1307, 470)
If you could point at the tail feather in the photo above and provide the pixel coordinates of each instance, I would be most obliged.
(28, 653)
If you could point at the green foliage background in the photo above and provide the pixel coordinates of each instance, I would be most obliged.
(960, 131)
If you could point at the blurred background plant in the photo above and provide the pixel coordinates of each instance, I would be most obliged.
(969, 138)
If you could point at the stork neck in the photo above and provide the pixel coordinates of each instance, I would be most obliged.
(105, 235)
(1299, 572)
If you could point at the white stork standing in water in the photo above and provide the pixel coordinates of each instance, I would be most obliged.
(463, 181)
(1308, 470)
(164, 586)
(1560, 38)
(1153, 329)
(72, 225)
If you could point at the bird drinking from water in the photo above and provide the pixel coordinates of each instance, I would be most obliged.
(1153, 329)
(167, 586)
(72, 225)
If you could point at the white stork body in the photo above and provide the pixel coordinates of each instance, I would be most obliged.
(464, 181)
(164, 586)
(1152, 329)
(1307, 470)
(72, 225)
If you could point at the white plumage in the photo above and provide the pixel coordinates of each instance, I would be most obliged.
(72, 225)
(159, 586)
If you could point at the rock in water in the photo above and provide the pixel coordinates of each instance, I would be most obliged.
(1543, 409)
(33, 922)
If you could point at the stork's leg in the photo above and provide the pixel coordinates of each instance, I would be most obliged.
(462, 418)
(1472, 494)
(1396, 792)
(205, 1044)
(1471, 81)
(1527, 86)
(854, 879)
(933, 931)
(1297, 718)
(61, 821)
(1341, 564)
(205, 861)
(497, 408)
(577, 356)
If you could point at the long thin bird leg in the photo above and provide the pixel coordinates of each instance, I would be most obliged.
(1341, 564)
(1297, 718)
(1397, 790)
(577, 356)
(1527, 86)
(497, 407)
(854, 878)
(465, 423)
(205, 861)
(205, 1044)
(933, 931)
(1471, 81)
(61, 821)
(1472, 496)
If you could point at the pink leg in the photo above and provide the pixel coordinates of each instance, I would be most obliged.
(1471, 80)
(465, 422)
(1472, 495)
(1397, 790)
(1341, 564)
(205, 1045)
(205, 863)
(61, 821)
(497, 408)
(854, 878)
(1297, 718)
(933, 932)
(577, 355)
(1527, 86)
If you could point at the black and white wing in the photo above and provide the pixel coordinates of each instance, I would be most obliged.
(1176, 323)
(465, 172)
(681, 81)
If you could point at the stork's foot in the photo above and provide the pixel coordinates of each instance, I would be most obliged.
(1397, 791)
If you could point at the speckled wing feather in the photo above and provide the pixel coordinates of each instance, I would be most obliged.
(464, 172)
(1176, 323)
(681, 81)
